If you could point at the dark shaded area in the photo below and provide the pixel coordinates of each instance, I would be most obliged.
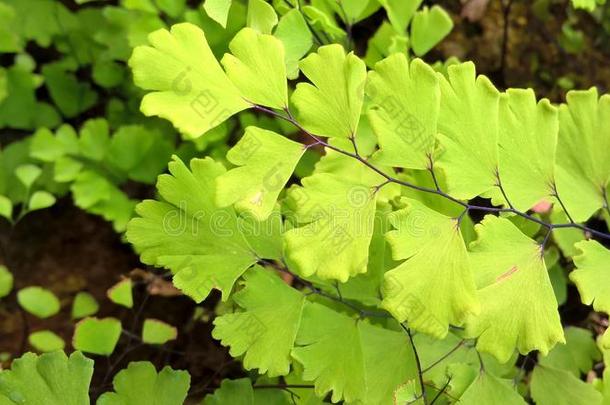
(66, 251)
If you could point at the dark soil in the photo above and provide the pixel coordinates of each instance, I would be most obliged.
(67, 250)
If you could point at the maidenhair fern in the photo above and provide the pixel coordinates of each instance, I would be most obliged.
(379, 239)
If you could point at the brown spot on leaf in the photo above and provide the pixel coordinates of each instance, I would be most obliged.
(507, 274)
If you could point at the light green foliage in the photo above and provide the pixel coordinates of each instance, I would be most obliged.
(468, 126)
(591, 275)
(350, 357)
(6, 281)
(583, 166)
(331, 106)
(265, 162)
(84, 305)
(434, 287)
(97, 336)
(6, 208)
(27, 174)
(588, 5)
(337, 223)
(156, 332)
(50, 379)
(577, 355)
(400, 12)
(240, 392)
(261, 16)
(140, 384)
(40, 200)
(189, 87)
(256, 67)
(527, 140)
(405, 111)
(518, 306)
(294, 33)
(46, 341)
(428, 28)
(551, 386)
(488, 389)
(375, 261)
(218, 10)
(322, 20)
(266, 330)
(178, 234)
(121, 293)
(38, 301)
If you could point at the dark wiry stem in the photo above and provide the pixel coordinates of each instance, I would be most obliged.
(556, 195)
(469, 207)
(420, 374)
(363, 313)
(449, 353)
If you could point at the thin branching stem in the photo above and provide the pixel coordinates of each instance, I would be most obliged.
(467, 206)
(363, 313)
(444, 356)
(420, 374)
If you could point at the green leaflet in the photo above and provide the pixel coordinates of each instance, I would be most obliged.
(323, 21)
(468, 126)
(139, 384)
(591, 275)
(294, 33)
(434, 287)
(218, 10)
(518, 305)
(429, 27)
(550, 386)
(351, 358)
(97, 336)
(38, 301)
(386, 41)
(6, 281)
(50, 379)
(256, 67)
(199, 242)
(331, 106)
(46, 341)
(405, 106)
(265, 162)
(588, 5)
(336, 224)
(121, 293)
(261, 16)
(266, 330)
(84, 305)
(488, 389)
(577, 355)
(240, 392)
(527, 140)
(189, 87)
(155, 332)
(400, 12)
(583, 164)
